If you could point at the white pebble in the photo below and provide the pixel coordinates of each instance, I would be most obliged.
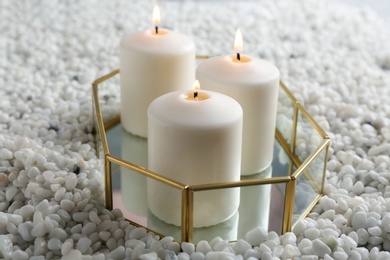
(375, 231)
(312, 233)
(20, 255)
(119, 253)
(6, 246)
(54, 244)
(320, 248)
(218, 255)
(6, 154)
(148, 256)
(359, 220)
(256, 236)
(188, 248)
(240, 247)
(72, 255)
(203, 246)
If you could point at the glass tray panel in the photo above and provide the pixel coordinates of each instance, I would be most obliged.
(260, 205)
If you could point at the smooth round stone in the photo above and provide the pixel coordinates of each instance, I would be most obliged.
(363, 236)
(354, 236)
(10, 192)
(252, 253)
(183, 256)
(25, 231)
(58, 233)
(14, 219)
(137, 251)
(137, 233)
(118, 253)
(117, 234)
(363, 252)
(70, 181)
(6, 154)
(80, 216)
(277, 251)
(340, 255)
(320, 248)
(132, 243)
(309, 257)
(38, 230)
(329, 214)
(104, 235)
(148, 256)
(328, 232)
(76, 228)
(187, 247)
(241, 246)
(340, 221)
(20, 255)
(299, 227)
(349, 243)
(54, 244)
(375, 231)
(89, 228)
(112, 244)
(289, 252)
(358, 188)
(114, 226)
(166, 241)
(256, 236)
(72, 255)
(6, 246)
(288, 238)
(355, 255)
(203, 246)
(312, 233)
(375, 240)
(359, 219)
(222, 245)
(3, 218)
(67, 205)
(219, 255)
(170, 255)
(83, 244)
(66, 246)
(93, 216)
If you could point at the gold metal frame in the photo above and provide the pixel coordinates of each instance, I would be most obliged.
(187, 191)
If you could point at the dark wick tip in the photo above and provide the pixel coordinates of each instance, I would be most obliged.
(195, 94)
(156, 27)
(238, 56)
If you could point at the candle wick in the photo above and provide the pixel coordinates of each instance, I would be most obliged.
(195, 94)
(238, 56)
(156, 27)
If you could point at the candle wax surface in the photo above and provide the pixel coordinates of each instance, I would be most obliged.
(254, 83)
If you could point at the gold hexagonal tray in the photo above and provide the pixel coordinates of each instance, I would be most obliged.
(275, 199)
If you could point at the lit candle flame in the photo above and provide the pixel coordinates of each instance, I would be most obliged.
(196, 85)
(238, 43)
(156, 15)
(196, 88)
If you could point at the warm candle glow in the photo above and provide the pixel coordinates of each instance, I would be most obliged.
(238, 42)
(156, 15)
(196, 94)
(196, 85)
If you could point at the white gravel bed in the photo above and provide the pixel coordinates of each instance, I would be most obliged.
(335, 59)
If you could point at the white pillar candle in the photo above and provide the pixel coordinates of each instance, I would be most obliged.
(254, 83)
(194, 138)
(152, 63)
